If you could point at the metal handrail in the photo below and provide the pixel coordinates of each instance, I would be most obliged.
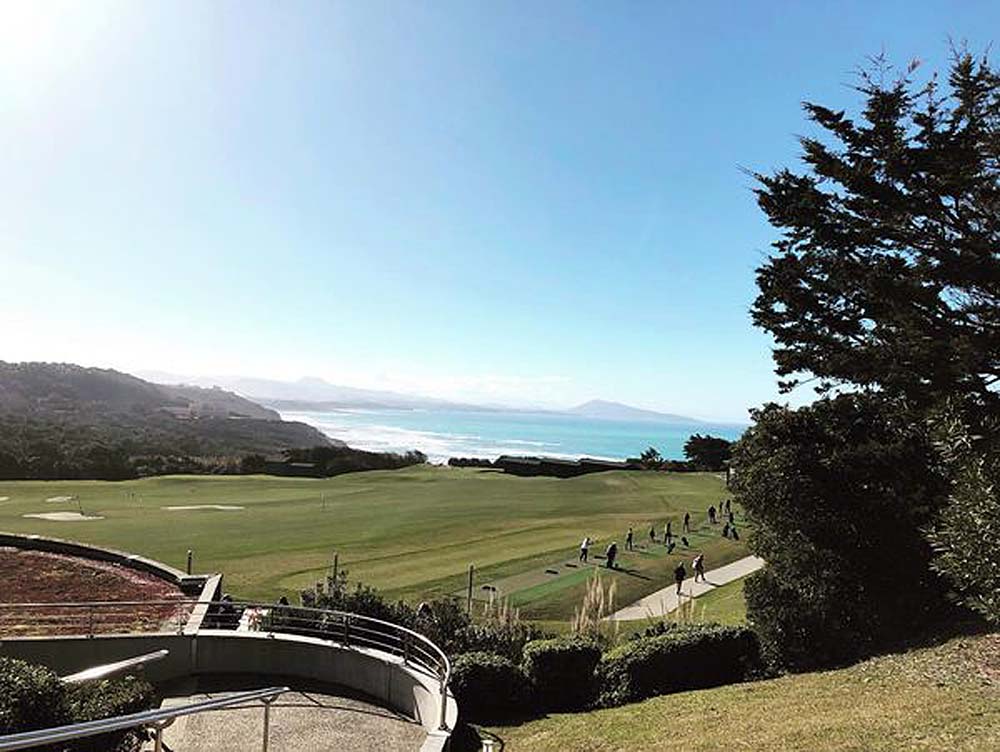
(349, 630)
(159, 719)
(110, 669)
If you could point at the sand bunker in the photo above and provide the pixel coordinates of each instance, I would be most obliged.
(62, 516)
(220, 507)
(60, 498)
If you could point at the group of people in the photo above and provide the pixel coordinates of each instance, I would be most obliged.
(680, 573)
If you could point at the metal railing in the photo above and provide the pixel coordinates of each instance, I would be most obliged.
(107, 670)
(157, 720)
(350, 631)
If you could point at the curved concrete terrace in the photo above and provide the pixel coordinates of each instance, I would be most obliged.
(376, 674)
(389, 680)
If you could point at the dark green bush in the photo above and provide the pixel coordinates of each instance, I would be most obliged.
(684, 657)
(31, 697)
(105, 699)
(841, 492)
(488, 687)
(561, 671)
(503, 639)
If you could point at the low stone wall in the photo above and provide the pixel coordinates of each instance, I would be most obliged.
(189, 584)
(377, 674)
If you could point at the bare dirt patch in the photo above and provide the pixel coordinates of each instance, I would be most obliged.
(41, 577)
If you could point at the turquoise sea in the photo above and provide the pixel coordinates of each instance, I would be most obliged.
(441, 434)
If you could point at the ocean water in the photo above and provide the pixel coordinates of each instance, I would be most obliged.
(441, 434)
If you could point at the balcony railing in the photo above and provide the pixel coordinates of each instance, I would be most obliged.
(347, 630)
(156, 720)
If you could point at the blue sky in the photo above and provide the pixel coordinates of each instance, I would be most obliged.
(512, 202)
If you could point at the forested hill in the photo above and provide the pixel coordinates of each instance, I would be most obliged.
(65, 421)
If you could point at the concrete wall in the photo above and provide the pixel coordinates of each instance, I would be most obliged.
(189, 584)
(380, 675)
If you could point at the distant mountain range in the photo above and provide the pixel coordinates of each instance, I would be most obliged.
(63, 420)
(604, 410)
(314, 394)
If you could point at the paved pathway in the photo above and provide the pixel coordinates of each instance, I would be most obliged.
(300, 720)
(663, 601)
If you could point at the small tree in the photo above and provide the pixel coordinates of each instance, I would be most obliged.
(708, 452)
(651, 458)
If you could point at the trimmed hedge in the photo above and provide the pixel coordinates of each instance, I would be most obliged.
(104, 699)
(684, 657)
(32, 697)
(561, 671)
(488, 687)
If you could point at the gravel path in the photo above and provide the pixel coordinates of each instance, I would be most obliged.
(300, 720)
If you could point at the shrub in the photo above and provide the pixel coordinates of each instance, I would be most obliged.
(840, 492)
(965, 537)
(507, 640)
(93, 701)
(501, 632)
(561, 671)
(488, 687)
(31, 697)
(688, 656)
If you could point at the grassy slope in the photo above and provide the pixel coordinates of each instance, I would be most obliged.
(411, 532)
(724, 605)
(946, 697)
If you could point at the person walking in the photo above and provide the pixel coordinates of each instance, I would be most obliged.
(687, 522)
(699, 567)
(652, 534)
(628, 540)
(611, 553)
(583, 548)
(679, 574)
(711, 514)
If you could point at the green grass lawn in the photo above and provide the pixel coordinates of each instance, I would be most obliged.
(942, 698)
(412, 532)
(723, 605)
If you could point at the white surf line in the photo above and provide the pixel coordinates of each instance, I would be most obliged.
(665, 600)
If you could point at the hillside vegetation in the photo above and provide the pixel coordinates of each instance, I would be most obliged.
(946, 697)
(65, 421)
